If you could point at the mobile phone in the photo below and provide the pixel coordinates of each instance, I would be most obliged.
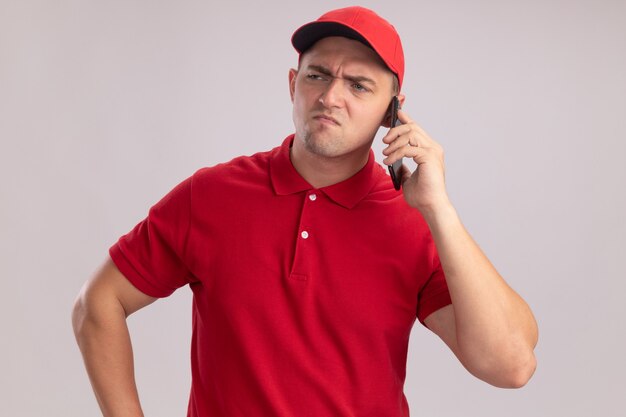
(396, 167)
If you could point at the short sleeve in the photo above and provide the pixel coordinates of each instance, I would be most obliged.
(152, 256)
(434, 294)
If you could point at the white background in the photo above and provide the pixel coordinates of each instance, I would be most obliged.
(106, 105)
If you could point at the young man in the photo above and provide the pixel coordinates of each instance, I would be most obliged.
(308, 268)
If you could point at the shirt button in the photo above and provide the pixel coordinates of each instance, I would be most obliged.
(312, 197)
(304, 234)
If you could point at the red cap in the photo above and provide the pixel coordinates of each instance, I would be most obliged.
(360, 24)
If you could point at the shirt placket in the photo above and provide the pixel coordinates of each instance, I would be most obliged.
(301, 270)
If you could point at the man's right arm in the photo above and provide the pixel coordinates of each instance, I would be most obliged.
(99, 321)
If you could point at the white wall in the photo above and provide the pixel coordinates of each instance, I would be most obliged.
(104, 106)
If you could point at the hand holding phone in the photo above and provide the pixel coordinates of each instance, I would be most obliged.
(396, 167)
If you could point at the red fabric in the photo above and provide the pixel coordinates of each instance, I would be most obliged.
(378, 33)
(285, 325)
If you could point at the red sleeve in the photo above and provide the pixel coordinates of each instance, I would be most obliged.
(434, 294)
(152, 255)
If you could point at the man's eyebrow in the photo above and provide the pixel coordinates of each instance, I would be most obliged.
(354, 78)
(319, 68)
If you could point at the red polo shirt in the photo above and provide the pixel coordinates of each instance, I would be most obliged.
(304, 298)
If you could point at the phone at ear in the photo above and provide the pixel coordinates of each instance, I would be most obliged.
(396, 167)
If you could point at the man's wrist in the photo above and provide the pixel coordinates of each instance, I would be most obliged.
(440, 215)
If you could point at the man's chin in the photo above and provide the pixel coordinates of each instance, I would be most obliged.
(322, 146)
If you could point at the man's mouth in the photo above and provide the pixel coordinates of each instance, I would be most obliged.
(327, 119)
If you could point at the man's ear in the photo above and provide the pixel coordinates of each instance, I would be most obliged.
(387, 119)
(293, 73)
(401, 98)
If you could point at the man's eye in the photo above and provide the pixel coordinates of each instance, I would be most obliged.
(314, 77)
(359, 87)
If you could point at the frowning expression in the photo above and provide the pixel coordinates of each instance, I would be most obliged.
(340, 93)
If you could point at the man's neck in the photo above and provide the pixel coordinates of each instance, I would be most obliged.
(320, 171)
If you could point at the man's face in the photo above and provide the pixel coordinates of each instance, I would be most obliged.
(340, 95)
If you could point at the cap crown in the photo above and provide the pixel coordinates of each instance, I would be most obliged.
(360, 24)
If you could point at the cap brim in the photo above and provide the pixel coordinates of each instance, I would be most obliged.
(310, 33)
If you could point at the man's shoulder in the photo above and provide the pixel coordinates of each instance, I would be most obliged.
(244, 168)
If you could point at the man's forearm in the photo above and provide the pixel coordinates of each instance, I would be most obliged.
(102, 335)
(495, 329)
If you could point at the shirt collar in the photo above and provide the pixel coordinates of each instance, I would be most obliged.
(348, 193)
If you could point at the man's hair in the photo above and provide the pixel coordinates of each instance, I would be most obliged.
(396, 85)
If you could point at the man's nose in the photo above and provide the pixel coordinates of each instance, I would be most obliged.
(333, 94)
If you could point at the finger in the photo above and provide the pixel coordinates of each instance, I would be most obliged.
(406, 120)
(404, 117)
(411, 138)
(404, 152)
(418, 137)
(396, 132)
(398, 143)
(419, 154)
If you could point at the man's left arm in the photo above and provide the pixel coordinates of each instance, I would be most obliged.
(489, 327)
